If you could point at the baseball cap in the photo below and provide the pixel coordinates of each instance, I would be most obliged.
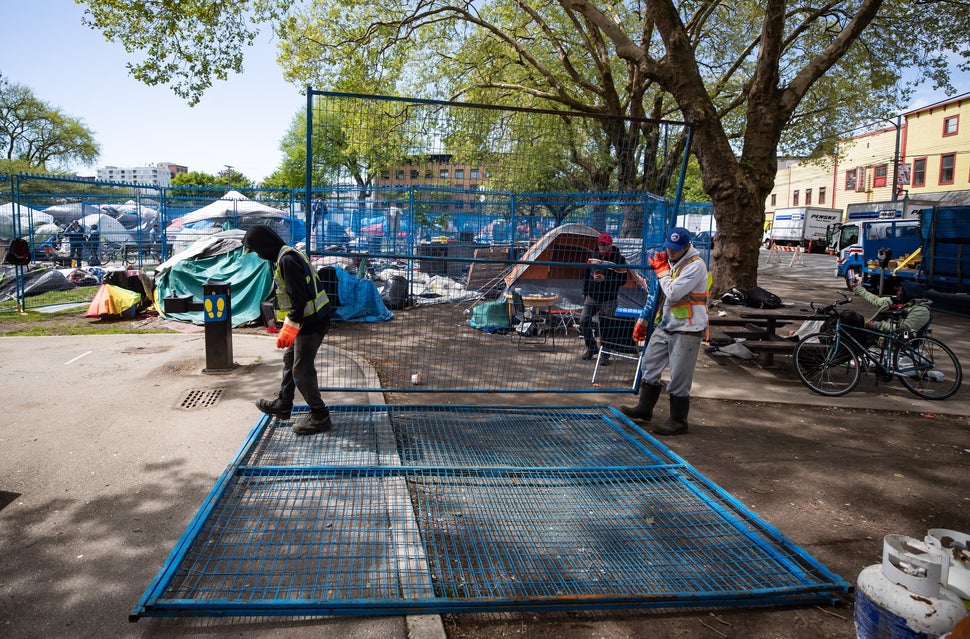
(677, 238)
(604, 238)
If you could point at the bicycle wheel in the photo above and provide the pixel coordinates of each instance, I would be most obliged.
(826, 365)
(928, 368)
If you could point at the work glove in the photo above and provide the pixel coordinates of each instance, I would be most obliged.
(854, 279)
(287, 334)
(640, 331)
(658, 262)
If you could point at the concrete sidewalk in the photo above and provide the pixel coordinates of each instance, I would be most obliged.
(106, 453)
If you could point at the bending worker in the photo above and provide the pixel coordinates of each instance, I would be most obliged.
(308, 311)
(679, 330)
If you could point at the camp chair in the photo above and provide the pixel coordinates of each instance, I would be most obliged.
(528, 326)
(616, 340)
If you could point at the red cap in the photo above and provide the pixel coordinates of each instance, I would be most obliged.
(604, 238)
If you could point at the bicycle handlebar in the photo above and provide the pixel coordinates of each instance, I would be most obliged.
(830, 309)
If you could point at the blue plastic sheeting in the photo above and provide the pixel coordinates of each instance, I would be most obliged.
(359, 299)
(490, 315)
(434, 509)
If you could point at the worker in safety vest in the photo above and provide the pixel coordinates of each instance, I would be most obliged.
(303, 301)
(680, 327)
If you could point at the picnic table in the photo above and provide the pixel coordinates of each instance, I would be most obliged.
(760, 332)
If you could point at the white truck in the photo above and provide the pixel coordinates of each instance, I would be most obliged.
(805, 226)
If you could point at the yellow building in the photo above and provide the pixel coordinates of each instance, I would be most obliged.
(928, 154)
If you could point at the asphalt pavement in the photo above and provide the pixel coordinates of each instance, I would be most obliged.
(106, 453)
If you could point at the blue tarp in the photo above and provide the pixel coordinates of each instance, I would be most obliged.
(360, 300)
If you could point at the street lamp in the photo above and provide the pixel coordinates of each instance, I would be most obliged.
(229, 170)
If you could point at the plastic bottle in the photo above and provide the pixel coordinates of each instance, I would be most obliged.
(904, 597)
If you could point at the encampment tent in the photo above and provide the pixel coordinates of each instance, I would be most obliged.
(29, 219)
(232, 210)
(219, 258)
(569, 245)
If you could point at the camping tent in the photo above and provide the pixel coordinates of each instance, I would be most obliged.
(110, 229)
(66, 213)
(219, 258)
(114, 301)
(29, 219)
(569, 245)
(233, 210)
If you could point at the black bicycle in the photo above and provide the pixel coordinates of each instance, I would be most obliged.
(831, 361)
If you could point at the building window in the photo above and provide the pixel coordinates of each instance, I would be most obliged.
(821, 195)
(947, 164)
(808, 197)
(850, 180)
(919, 172)
(794, 198)
(951, 125)
(459, 174)
(774, 200)
(429, 174)
(879, 174)
(473, 174)
(399, 174)
(443, 174)
(414, 174)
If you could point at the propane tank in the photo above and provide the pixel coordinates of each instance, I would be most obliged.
(904, 597)
(954, 546)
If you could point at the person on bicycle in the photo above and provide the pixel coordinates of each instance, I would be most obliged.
(910, 303)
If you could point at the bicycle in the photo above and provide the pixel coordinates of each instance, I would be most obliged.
(831, 361)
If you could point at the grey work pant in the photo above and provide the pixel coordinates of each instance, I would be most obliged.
(679, 350)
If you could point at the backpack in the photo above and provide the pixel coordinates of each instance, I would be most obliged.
(19, 253)
(757, 297)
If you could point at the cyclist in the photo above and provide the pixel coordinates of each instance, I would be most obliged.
(910, 303)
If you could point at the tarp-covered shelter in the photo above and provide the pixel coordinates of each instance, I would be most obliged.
(360, 301)
(219, 258)
(64, 214)
(36, 281)
(110, 229)
(29, 220)
(232, 210)
(569, 246)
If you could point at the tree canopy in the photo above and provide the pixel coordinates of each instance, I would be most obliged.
(754, 78)
(35, 136)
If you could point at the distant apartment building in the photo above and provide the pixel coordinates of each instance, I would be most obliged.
(925, 157)
(441, 172)
(158, 175)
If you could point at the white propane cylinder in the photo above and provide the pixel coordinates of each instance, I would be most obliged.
(904, 597)
(956, 547)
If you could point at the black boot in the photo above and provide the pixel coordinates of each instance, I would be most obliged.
(649, 393)
(316, 422)
(677, 422)
(278, 408)
(590, 353)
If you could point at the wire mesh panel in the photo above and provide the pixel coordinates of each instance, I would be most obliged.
(455, 508)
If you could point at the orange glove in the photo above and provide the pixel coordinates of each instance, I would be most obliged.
(658, 262)
(640, 331)
(287, 334)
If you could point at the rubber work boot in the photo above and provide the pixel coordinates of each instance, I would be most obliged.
(277, 408)
(605, 360)
(315, 423)
(676, 424)
(649, 394)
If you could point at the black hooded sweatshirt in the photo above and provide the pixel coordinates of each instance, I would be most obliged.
(295, 268)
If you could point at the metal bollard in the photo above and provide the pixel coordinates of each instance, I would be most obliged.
(217, 316)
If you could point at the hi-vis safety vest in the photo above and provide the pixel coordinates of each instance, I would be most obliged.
(684, 310)
(318, 296)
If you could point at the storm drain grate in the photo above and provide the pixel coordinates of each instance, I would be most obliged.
(439, 509)
(200, 398)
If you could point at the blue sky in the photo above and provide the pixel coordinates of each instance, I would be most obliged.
(238, 122)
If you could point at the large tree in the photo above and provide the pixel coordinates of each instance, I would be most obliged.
(35, 136)
(752, 77)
